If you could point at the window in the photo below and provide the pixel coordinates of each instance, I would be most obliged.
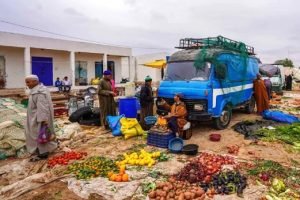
(81, 73)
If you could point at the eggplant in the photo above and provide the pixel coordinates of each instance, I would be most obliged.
(240, 192)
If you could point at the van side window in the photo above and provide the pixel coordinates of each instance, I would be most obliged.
(221, 71)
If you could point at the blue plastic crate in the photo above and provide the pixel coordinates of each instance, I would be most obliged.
(159, 140)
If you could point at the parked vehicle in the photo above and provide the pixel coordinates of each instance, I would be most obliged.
(276, 74)
(223, 82)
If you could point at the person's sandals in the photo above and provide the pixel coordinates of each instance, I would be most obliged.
(43, 156)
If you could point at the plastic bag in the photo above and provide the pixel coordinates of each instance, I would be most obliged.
(114, 124)
(130, 127)
(44, 134)
(279, 116)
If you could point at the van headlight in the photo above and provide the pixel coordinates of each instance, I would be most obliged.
(198, 107)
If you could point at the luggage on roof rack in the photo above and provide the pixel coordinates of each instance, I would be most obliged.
(215, 42)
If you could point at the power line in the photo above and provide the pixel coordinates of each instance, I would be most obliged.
(77, 38)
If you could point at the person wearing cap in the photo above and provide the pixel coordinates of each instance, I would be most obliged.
(260, 95)
(177, 115)
(106, 98)
(39, 112)
(146, 101)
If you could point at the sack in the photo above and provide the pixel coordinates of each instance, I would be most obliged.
(114, 124)
(44, 135)
(279, 116)
(130, 127)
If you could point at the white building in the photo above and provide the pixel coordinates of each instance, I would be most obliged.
(49, 58)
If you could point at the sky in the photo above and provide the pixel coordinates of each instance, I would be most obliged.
(272, 27)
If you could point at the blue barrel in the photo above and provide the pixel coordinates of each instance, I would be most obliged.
(128, 107)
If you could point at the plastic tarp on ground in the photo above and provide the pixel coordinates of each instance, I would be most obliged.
(239, 68)
(279, 116)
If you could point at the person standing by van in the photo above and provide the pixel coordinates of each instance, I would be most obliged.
(268, 85)
(288, 81)
(146, 101)
(260, 95)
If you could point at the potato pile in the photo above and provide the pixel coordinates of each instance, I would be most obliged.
(176, 190)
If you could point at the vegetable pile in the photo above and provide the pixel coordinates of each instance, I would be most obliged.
(268, 170)
(228, 182)
(288, 134)
(120, 177)
(234, 149)
(92, 167)
(201, 168)
(180, 190)
(193, 172)
(213, 163)
(65, 158)
(141, 158)
(279, 191)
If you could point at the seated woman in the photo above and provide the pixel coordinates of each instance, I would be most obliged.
(176, 117)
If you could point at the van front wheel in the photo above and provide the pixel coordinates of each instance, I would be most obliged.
(223, 121)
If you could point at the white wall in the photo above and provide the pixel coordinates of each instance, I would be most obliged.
(14, 64)
(20, 40)
(143, 71)
(118, 67)
(61, 61)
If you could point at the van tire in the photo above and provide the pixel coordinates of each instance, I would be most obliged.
(223, 121)
(249, 108)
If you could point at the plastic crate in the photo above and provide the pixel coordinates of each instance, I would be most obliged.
(159, 140)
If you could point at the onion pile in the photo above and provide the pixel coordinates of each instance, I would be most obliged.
(176, 190)
(213, 163)
(193, 172)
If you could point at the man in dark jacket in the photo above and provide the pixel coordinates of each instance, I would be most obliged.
(146, 101)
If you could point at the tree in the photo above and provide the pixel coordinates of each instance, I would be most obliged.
(286, 62)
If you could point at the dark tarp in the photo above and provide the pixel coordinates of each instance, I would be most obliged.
(248, 128)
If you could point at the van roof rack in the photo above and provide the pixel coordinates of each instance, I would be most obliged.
(215, 42)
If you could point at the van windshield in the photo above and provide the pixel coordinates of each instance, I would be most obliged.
(177, 71)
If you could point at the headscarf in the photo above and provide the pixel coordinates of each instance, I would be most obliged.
(107, 72)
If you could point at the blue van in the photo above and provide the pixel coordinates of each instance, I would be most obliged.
(211, 92)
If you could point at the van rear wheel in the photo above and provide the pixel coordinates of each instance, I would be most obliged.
(223, 121)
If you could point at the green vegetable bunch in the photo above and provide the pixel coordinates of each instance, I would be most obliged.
(92, 167)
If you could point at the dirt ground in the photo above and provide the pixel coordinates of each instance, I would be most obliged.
(103, 143)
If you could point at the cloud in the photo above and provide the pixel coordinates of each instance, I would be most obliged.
(72, 11)
(271, 26)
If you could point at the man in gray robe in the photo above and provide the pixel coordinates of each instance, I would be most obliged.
(39, 112)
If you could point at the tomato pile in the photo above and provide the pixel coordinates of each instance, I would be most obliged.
(92, 167)
(65, 158)
(213, 163)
